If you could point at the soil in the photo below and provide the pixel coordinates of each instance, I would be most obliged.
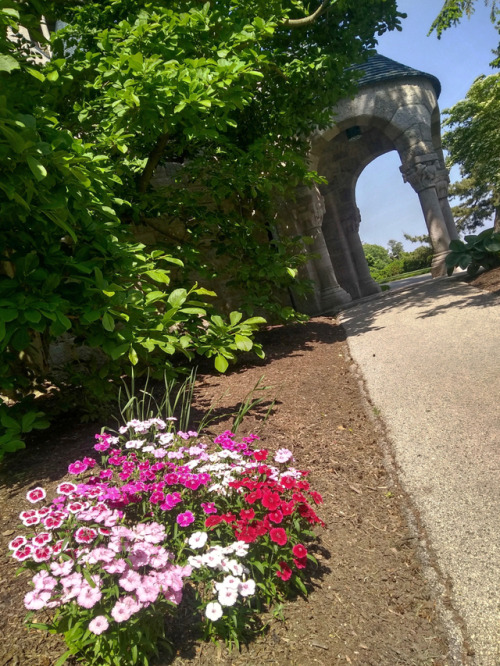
(488, 281)
(369, 604)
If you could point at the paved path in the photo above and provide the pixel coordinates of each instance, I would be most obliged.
(431, 360)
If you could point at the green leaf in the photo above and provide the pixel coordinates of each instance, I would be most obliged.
(177, 298)
(255, 320)
(158, 275)
(154, 296)
(132, 355)
(243, 343)
(8, 63)
(235, 317)
(35, 73)
(195, 311)
(108, 322)
(37, 169)
(221, 363)
(8, 314)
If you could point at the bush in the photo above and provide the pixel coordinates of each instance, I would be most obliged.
(474, 252)
(420, 258)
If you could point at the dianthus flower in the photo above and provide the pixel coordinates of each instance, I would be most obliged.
(98, 625)
(278, 535)
(77, 467)
(213, 611)
(36, 495)
(185, 519)
(284, 572)
(299, 550)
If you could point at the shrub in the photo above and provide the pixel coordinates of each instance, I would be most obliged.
(474, 252)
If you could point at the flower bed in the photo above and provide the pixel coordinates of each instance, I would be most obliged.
(114, 550)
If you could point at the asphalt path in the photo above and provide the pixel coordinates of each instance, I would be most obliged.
(430, 358)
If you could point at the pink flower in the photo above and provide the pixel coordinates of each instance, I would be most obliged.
(75, 507)
(99, 624)
(17, 542)
(147, 591)
(52, 522)
(42, 554)
(185, 519)
(77, 467)
(88, 597)
(36, 600)
(44, 581)
(42, 538)
(36, 495)
(23, 553)
(61, 569)
(85, 535)
(209, 507)
(283, 455)
(32, 520)
(121, 612)
(130, 581)
(66, 488)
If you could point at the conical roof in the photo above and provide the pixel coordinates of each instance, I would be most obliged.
(379, 68)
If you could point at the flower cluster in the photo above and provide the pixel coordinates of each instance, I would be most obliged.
(118, 542)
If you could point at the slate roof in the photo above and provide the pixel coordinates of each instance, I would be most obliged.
(379, 68)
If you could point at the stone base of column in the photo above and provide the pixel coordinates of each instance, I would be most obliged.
(332, 297)
(369, 287)
(438, 265)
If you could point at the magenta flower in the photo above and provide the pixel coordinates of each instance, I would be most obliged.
(98, 625)
(85, 535)
(42, 538)
(42, 553)
(209, 507)
(77, 467)
(17, 543)
(185, 519)
(36, 495)
(66, 488)
(23, 553)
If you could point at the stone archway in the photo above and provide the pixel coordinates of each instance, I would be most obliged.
(396, 108)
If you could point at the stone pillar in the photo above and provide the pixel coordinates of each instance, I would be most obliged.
(309, 213)
(338, 248)
(442, 192)
(423, 174)
(351, 219)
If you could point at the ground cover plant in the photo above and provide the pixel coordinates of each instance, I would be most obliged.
(112, 552)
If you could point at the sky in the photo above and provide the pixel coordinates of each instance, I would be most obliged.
(389, 207)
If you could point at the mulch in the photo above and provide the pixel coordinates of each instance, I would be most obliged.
(370, 602)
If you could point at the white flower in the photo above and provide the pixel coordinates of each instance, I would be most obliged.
(213, 611)
(228, 596)
(148, 449)
(283, 455)
(196, 561)
(134, 443)
(240, 548)
(198, 540)
(235, 567)
(231, 582)
(246, 588)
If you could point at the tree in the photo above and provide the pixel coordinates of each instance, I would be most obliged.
(473, 143)
(222, 96)
(376, 255)
(418, 239)
(396, 249)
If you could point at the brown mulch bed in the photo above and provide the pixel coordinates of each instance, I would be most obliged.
(488, 281)
(369, 603)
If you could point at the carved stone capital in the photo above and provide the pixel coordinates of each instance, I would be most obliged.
(426, 171)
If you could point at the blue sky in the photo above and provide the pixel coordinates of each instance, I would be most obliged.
(388, 206)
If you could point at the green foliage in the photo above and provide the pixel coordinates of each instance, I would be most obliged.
(376, 256)
(396, 249)
(419, 258)
(474, 252)
(211, 90)
(473, 143)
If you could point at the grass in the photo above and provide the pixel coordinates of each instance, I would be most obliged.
(402, 276)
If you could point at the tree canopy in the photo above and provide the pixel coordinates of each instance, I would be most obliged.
(146, 156)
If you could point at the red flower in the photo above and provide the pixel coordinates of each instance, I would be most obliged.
(316, 497)
(303, 485)
(287, 508)
(211, 521)
(287, 482)
(260, 455)
(299, 497)
(253, 496)
(261, 527)
(275, 516)
(300, 563)
(247, 514)
(299, 551)
(285, 571)
(247, 534)
(278, 535)
(271, 501)
(228, 517)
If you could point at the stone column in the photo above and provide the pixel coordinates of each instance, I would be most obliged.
(338, 247)
(423, 174)
(351, 219)
(442, 192)
(309, 212)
